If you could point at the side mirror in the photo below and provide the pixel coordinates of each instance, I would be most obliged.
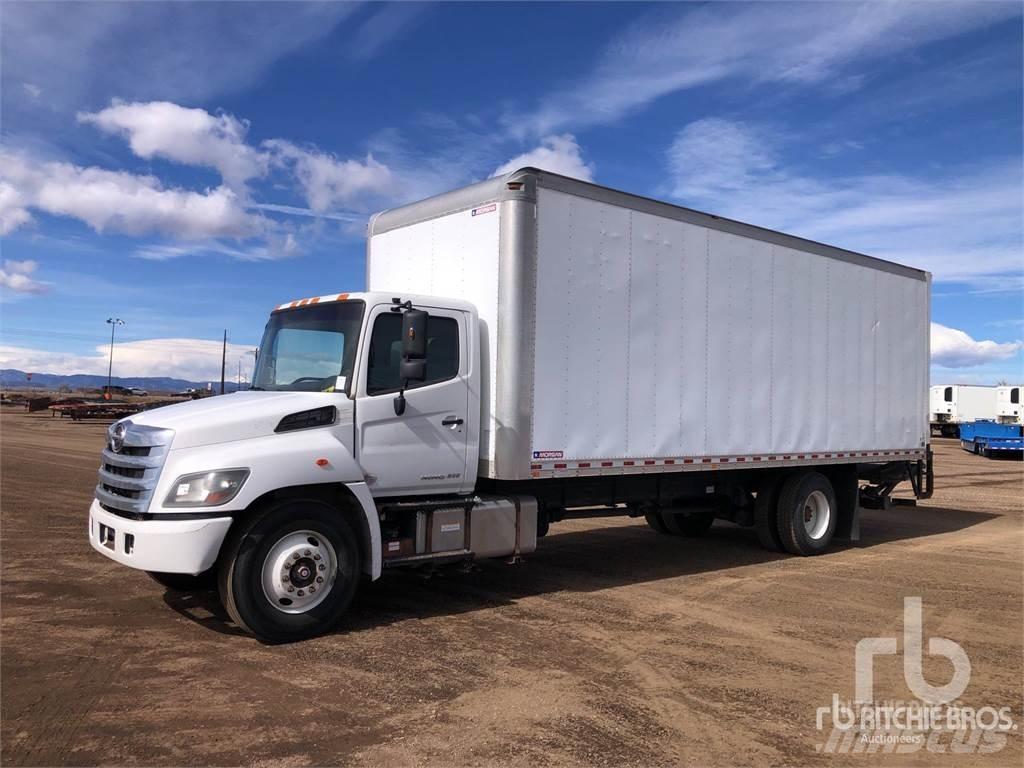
(414, 351)
(413, 370)
(414, 334)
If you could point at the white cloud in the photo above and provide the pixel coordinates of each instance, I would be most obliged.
(115, 201)
(183, 135)
(388, 23)
(558, 154)
(191, 359)
(800, 44)
(328, 181)
(33, 91)
(952, 348)
(17, 276)
(81, 53)
(13, 207)
(963, 225)
(274, 247)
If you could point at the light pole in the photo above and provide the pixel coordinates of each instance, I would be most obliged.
(114, 322)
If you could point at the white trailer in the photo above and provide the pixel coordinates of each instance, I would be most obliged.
(532, 348)
(1008, 407)
(951, 405)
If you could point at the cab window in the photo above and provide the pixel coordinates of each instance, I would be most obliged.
(386, 353)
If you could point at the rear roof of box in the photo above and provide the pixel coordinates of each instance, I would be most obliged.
(497, 188)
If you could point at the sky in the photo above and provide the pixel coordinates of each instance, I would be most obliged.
(187, 167)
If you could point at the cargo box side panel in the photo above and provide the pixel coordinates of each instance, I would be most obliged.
(660, 338)
(452, 255)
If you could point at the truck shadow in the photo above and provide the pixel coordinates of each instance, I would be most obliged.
(584, 561)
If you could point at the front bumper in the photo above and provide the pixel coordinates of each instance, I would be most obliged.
(168, 546)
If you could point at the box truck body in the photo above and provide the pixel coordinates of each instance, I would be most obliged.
(531, 348)
(621, 329)
(1008, 406)
(953, 404)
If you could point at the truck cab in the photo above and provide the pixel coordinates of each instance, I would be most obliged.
(398, 418)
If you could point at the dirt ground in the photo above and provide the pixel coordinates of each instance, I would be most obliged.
(611, 645)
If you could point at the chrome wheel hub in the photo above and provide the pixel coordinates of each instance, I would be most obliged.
(817, 514)
(299, 572)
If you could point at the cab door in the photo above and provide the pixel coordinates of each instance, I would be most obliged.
(423, 450)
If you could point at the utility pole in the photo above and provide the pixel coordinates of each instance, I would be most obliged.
(223, 360)
(114, 322)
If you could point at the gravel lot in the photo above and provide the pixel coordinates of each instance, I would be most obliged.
(611, 645)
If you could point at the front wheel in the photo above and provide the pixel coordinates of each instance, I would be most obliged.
(291, 572)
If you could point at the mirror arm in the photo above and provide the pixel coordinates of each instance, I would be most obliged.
(399, 401)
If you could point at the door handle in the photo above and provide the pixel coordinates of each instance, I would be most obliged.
(451, 421)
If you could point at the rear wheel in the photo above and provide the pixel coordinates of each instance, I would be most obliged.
(766, 518)
(291, 572)
(807, 513)
(654, 520)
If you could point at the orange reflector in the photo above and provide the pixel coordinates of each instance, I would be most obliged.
(322, 462)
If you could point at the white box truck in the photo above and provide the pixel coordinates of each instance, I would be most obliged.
(531, 348)
(954, 404)
(1008, 408)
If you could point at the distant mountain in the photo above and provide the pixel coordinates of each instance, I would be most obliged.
(14, 379)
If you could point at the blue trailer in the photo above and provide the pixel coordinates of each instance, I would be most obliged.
(988, 437)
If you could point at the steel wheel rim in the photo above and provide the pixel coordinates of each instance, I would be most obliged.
(817, 513)
(299, 572)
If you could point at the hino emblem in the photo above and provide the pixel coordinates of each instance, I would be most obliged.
(117, 437)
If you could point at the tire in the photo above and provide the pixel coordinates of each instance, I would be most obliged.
(766, 518)
(184, 582)
(272, 566)
(688, 525)
(807, 513)
(654, 520)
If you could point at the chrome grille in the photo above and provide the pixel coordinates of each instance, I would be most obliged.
(128, 477)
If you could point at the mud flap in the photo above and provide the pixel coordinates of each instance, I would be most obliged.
(844, 483)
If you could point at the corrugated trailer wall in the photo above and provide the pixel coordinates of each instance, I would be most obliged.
(660, 338)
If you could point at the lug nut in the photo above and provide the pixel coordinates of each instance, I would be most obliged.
(307, 553)
(312, 589)
(291, 589)
(323, 567)
(285, 579)
(319, 579)
(301, 593)
(316, 557)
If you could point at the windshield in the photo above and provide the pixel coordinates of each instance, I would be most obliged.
(307, 349)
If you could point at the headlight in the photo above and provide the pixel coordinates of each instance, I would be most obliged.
(206, 489)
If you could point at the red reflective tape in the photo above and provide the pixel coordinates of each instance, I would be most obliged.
(741, 458)
(559, 466)
(628, 463)
(773, 458)
(584, 465)
(314, 300)
(705, 461)
(607, 463)
(757, 458)
(687, 461)
(536, 466)
(670, 461)
(649, 462)
(724, 460)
